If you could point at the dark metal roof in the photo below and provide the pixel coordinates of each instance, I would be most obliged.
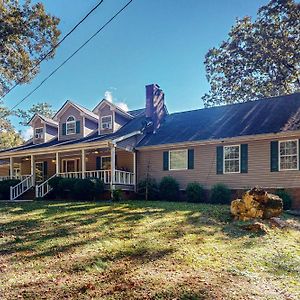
(136, 112)
(269, 115)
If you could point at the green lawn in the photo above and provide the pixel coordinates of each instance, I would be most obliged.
(141, 250)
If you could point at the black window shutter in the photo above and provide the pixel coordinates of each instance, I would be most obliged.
(77, 126)
(191, 159)
(45, 169)
(299, 154)
(64, 129)
(274, 156)
(244, 158)
(98, 163)
(166, 160)
(219, 164)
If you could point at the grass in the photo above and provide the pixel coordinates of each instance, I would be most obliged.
(141, 250)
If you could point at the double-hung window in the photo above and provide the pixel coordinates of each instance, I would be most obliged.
(288, 155)
(232, 161)
(38, 133)
(70, 125)
(106, 122)
(178, 159)
(105, 162)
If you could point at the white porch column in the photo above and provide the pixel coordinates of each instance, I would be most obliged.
(83, 163)
(11, 167)
(57, 163)
(134, 170)
(32, 167)
(113, 166)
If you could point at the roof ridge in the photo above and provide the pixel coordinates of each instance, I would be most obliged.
(233, 104)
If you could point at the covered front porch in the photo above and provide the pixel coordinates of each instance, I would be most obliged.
(115, 166)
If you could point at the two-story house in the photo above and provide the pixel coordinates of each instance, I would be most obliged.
(241, 145)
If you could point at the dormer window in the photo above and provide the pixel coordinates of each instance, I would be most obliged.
(39, 133)
(106, 122)
(70, 125)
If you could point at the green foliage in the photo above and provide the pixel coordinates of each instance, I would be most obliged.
(83, 189)
(98, 188)
(148, 189)
(77, 189)
(54, 183)
(65, 187)
(220, 194)
(259, 59)
(5, 188)
(286, 198)
(43, 108)
(27, 33)
(116, 195)
(169, 189)
(195, 192)
(9, 137)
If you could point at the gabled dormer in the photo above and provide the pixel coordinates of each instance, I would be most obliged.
(75, 121)
(44, 129)
(111, 117)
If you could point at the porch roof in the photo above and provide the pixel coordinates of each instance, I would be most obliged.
(131, 126)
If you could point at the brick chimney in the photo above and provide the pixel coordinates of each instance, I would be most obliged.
(155, 106)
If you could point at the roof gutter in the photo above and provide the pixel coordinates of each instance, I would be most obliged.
(126, 136)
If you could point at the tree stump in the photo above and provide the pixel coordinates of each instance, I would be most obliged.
(256, 203)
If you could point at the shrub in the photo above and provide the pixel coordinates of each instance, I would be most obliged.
(65, 187)
(5, 188)
(117, 195)
(148, 189)
(98, 188)
(220, 194)
(169, 188)
(286, 198)
(195, 192)
(54, 183)
(83, 189)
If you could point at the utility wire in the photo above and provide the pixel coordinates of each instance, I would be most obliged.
(52, 49)
(73, 54)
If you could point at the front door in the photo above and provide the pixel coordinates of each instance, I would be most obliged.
(39, 171)
(69, 165)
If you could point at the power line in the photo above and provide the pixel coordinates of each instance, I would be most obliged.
(73, 54)
(52, 49)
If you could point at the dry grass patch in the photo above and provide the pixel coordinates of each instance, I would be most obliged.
(141, 250)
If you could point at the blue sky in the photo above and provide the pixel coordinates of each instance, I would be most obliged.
(153, 41)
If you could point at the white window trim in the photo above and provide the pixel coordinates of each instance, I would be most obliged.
(179, 150)
(36, 133)
(71, 122)
(105, 156)
(111, 125)
(229, 146)
(279, 156)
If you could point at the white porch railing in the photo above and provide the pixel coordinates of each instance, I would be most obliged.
(19, 189)
(121, 177)
(44, 188)
(21, 177)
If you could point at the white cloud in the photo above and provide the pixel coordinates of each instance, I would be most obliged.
(123, 106)
(108, 96)
(27, 133)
